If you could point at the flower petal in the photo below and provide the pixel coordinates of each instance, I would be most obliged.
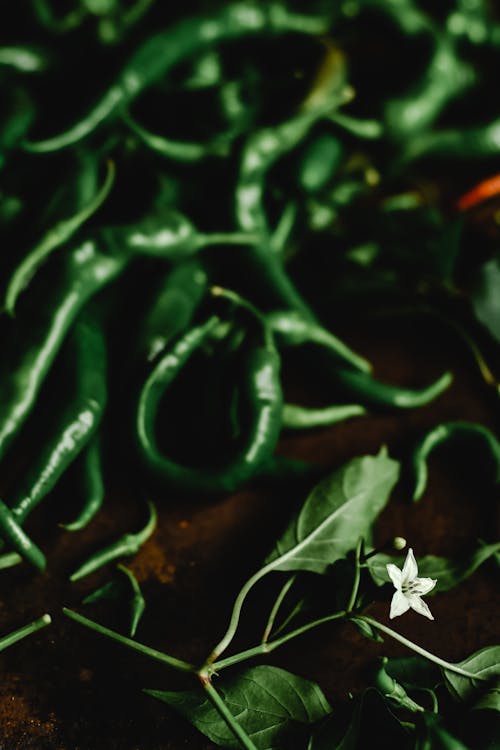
(424, 585)
(399, 604)
(410, 569)
(395, 575)
(418, 604)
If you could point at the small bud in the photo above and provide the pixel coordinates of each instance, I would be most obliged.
(398, 543)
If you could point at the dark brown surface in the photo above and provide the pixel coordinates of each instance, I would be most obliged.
(68, 689)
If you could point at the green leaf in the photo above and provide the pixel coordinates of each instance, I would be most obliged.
(449, 573)
(269, 703)
(483, 693)
(413, 672)
(370, 719)
(339, 510)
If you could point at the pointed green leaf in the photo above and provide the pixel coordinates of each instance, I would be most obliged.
(269, 703)
(413, 672)
(339, 510)
(484, 692)
(449, 573)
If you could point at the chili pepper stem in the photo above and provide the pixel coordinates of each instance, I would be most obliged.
(268, 647)
(418, 649)
(171, 661)
(357, 576)
(222, 709)
(18, 635)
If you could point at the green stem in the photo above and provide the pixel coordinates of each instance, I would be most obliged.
(26, 630)
(357, 577)
(235, 615)
(418, 649)
(171, 661)
(276, 606)
(267, 648)
(226, 714)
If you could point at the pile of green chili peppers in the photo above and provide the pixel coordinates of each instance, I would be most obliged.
(168, 187)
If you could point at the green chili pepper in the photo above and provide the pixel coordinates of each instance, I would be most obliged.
(293, 329)
(55, 237)
(173, 308)
(9, 560)
(183, 151)
(167, 48)
(300, 418)
(263, 149)
(319, 162)
(366, 129)
(90, 471)
(261, 391)
(445, 78)
(35, 343)
(127, 545)
(20, 633)
(74, 429)
(441, 434)
(17, 538)
(466, 143)
(23, 59)
(108, 591)
(383, 394)
(137, 603)
(85, 270)
(392, 689)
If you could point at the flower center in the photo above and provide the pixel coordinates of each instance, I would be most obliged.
(411, 587)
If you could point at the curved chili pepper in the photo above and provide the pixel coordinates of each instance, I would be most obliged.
(127, 545)
(34, 343)
(262, 392)
(383, 394)
(167, 48)
(90, 472)
(85, 270)
(55, 237)
(137, 601)
(76, 426)
(263, 149)
(182, 151)
(293, 329)
(441, 434)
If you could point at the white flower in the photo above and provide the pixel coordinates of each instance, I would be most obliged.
(409, 588)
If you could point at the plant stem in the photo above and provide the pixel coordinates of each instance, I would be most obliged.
(418, 649)
(357, 577)
(226, 714)
(171, 661)
(235, 615)
(267, 648)
(26, 630)
(276, 606)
